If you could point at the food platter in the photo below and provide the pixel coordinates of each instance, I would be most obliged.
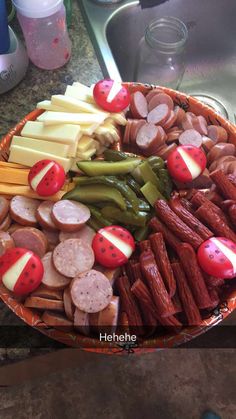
(75, 339)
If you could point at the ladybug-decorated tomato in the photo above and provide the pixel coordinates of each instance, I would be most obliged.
(46, 177)
(21, 271)
(111, 96)
(217, 257)
(186, 163)
(113, 246)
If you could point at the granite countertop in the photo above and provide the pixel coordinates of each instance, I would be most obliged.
(40, 85)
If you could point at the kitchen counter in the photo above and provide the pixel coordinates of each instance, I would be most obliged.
(40, 85)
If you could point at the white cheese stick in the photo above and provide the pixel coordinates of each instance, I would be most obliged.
(48, 106)
(50, 147)
(56, 118)
(77, 105)
(89, 129)
(30, 157)
(86, 155)
(66, 134)
(78, 93)
(85, 143)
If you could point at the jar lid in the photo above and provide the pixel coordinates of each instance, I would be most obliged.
(37, 9)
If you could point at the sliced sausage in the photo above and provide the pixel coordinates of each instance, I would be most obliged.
(165, 151)
(152, 93)
(221, 161)
(232, 214)
(91, 291)
(138, 105)
(70, 215)
(135, 127)
(111, 274)
(173, 135)
(108, 317)
(170, 121)
(190, 136)
(159, 115)
(13, 227)
(180, 114)
(43, 303)
(207, 143)
(149, 139)
(159, 99)
(68, 304)
(200, 124)
(5, 224)
(23, 210)
(52, 237)
(57, 320)
(220, 150)
(43, 215)
(86, 234)
(46, 292)
(187, 121)
(230, 168)
(4, 208)
(81, 322)
(52, 278)
(32, 239)
(72, 257)
(217, 133)
(6, 242)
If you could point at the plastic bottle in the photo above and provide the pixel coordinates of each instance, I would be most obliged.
(44, 27)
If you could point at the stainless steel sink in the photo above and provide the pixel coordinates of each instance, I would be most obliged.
(211, 52)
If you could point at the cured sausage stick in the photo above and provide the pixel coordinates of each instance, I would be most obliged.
(232, 214)
(163, 263)
(227, 189)
(185, 294)
(194, 275)
(199, 199)
(169, 237)
(176, 225)
(208, 215)
(129, 304)
(189, 219)
(141, 292)
(156, 285)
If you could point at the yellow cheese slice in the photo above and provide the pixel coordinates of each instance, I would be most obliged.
(54, 118)
(9, 190)
(51, 147)
(29, 157)
(14, 176)
(72, 104)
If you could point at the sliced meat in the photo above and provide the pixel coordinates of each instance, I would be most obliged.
(70, 216)
(5, 224)
(86, 234)
(45, 292)
(207, 143)
(180, 114)
(72, 257)
(187, 121)
(111, 274)
(203, 181)
(170, 121)
(6, 242)
(221, 162)
(135, 127)
(52, 278)
(200, 124)
(165, 151)
(217, 133)
(138, 105)
(107, 319)
(159, 115)
(159, 99)
(81, 322)
(43, 303)
(152, 93)
(43, 215)
(4, 208)
(56, 320)
(13, 227)
(190, 136)
(173, 135)
(23, 210)
(52, 237)
(220, 150)
(91, 291)
(232, 214)
(68, 304)
(149, 139)
(32, 239)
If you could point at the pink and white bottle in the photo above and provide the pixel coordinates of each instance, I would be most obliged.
(44, 27)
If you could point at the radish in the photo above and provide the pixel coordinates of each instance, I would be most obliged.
(186, 163)
(46, 177)
(21, 271)
(113, 246)
(111, 95)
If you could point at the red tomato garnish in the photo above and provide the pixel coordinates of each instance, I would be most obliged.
(113, 246)
(217, 257)
(46, 177)
(111, 95)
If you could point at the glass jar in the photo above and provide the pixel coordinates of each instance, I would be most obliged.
(160, 56)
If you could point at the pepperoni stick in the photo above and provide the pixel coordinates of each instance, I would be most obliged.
(141, 292)
(163, 263)
(176, 225)
(227, 189)
(185, 294)
(232, 214)
(129, 305)
(144, 245)
(212, 281)
(214, 297)
(169, 237)
(194, 275)
(136, 271)
(199, 198)
(157, 287)
(189, 219)
(215, 222)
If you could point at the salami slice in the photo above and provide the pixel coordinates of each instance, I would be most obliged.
(70, 215)
(23, 210)
(91, 291)
(52, 278)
